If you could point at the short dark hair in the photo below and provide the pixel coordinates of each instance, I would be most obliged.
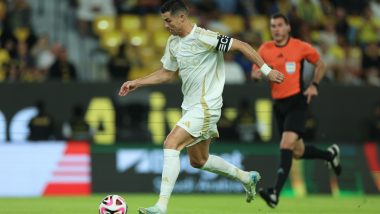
(174, 6)
(280, 16)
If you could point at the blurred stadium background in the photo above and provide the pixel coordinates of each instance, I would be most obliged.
(64, 130)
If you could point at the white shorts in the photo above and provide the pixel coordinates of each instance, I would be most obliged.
(200, 123)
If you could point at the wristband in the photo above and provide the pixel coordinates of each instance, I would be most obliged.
(316, 85)
(265, 69)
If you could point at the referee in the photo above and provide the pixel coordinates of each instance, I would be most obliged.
(291, 100)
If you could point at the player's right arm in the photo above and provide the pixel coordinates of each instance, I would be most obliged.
(158, 77)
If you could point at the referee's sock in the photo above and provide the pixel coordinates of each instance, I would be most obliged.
(284, 169)
(312, 152)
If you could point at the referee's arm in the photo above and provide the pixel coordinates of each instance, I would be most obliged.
(312, 90)
(320, 70)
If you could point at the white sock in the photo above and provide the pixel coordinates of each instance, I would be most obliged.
(219, 166)
(170, 173)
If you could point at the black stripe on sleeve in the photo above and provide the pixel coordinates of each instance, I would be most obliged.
(223, 43)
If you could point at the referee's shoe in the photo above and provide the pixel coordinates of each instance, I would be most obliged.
(334, 163)
(270, 196)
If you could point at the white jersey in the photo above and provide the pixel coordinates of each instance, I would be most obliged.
(199, 59)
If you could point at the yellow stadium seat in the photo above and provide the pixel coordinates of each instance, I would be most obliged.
(138, 38)
(136, 73)
(160, 39)
(356, 53)
(147, 54)
(337, 52)
(103, 24)
(355, 21)
(130, 23)
(111, 41)
(376, 21)
(149, 58)
(194, 19)
(21, 33)
(266, 36)
(3, 9)
(153, 23)
(4, 59)
(259, 23)
(4, 56)
(234, 22)
(315, 36)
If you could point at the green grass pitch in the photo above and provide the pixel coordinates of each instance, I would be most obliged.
(195, 204)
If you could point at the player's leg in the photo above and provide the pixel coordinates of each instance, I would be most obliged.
(174, 143)
(204, 121)
(200, 158)
(331, 155)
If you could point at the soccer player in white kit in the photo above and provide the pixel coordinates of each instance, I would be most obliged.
(196, 56)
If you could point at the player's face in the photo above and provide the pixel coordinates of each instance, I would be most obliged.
(173, 23)
(279, 29)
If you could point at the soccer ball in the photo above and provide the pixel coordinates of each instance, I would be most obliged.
(113, 204)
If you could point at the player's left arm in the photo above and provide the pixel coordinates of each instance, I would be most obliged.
(255, 58)
(312, 90)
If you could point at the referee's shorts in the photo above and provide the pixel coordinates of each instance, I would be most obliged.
(291, 114)
(200, 123)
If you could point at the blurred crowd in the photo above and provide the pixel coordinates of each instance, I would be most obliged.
(25, 56)
(346, 33)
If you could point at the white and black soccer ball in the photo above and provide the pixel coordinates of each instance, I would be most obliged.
(113, 204)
